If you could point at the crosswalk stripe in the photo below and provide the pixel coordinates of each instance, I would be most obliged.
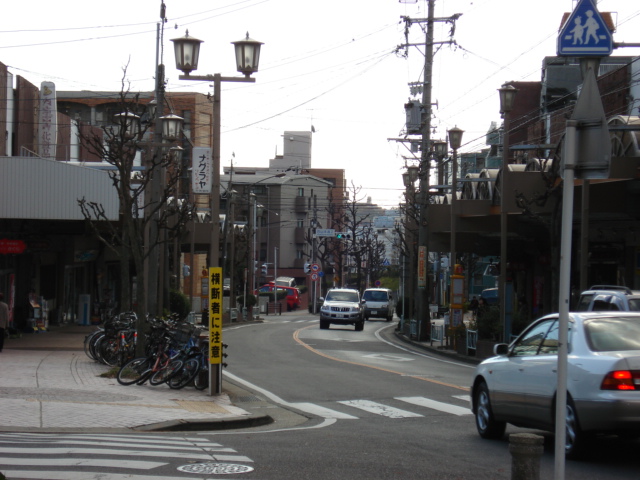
(321, 411)
(114, 451)
(440, 406)
(380, 409)
(82, 462)
(36, 475)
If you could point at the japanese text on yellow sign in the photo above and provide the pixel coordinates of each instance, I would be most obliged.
(215, 315)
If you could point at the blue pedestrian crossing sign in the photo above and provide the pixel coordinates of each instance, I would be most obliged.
(585, 34)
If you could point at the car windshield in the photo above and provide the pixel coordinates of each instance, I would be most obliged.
(375, 296)
(342, 296)
(613, 334)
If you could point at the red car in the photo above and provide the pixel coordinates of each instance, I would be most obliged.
(293, 295)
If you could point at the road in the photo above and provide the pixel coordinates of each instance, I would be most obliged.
(346, 405)
(376, 408)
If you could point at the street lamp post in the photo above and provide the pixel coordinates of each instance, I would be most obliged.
(455, 139)
(507, 97)
(187, 52)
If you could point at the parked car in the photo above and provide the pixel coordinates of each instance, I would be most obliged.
(293, 295)
(601, 298)
(518, 386)
(342, 306)
(378, 303)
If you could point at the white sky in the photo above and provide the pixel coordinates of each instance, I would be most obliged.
(329, 64)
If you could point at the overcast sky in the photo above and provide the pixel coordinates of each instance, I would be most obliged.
(331, 64)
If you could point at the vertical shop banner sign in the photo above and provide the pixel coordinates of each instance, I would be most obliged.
(48, 121)
(422, 267)
(202, 170)
(215, 315)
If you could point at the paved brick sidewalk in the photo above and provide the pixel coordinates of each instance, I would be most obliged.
(47, 382)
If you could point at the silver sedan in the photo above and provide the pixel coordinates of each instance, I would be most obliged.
(518, 386)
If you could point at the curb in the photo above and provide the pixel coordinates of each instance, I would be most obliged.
(443, 353)
(206, 425)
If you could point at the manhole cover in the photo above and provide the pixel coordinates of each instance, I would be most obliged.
(215, 468)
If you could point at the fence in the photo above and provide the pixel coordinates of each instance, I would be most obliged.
(472, 339)
(437, 333)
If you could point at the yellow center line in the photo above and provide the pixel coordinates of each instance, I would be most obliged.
(296, 337)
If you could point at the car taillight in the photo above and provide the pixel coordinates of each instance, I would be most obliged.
(621, 380)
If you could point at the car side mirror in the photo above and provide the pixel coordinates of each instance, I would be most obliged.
(501, 349)
(321, 299)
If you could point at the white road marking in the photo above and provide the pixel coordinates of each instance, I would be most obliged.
(380, 409)
(390, 358)
(440, 406)
(322, 411)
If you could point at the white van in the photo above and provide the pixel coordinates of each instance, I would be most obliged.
(286, 282)
(378, 303)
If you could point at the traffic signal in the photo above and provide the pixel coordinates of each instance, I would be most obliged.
(307, 267)
(343, 236)
(265, 269)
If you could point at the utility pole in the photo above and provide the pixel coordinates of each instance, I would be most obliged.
(423, 288)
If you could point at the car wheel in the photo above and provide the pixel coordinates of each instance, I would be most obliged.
(487, 425)
(360, 326)
(389, 318)
(324, 324)
(575, 439)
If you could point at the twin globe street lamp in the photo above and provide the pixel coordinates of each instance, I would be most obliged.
(187, 52)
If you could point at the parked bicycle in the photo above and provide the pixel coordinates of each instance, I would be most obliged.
(161, 362)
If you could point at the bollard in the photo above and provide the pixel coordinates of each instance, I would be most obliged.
(526, 450)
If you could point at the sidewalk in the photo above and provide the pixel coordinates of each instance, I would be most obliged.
(47, 383)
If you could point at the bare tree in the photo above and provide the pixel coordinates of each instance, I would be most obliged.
(139, 206)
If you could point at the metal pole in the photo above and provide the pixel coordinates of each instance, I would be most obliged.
(215, 370)
(454, 201)
(565, 292)
(503, 229)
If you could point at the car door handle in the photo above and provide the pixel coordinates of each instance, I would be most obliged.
(554, 370)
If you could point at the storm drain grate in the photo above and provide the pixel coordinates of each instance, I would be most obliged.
(215, 468)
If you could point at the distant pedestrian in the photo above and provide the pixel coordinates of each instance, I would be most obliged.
(4, 319)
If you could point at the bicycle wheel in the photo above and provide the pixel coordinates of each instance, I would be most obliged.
(186, 374)
(93, 345)
(134, 371)
(166, 372)
(108, 351)
(88, 343)
(202, 378)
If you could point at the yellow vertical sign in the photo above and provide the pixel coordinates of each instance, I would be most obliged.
(215, 315)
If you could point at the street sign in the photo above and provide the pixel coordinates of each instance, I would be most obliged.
(325, 232)
(585, 34)
(315, 268)
(314, 276)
